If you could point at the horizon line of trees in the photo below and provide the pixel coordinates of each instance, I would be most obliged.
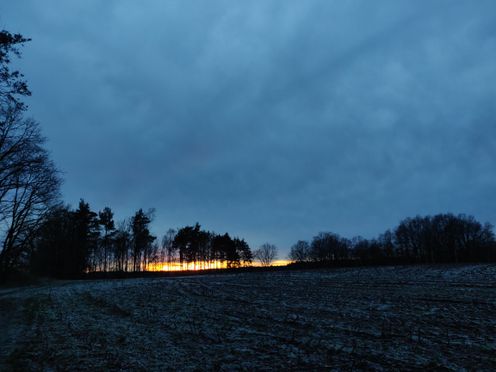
(442, 238)
(70, 242)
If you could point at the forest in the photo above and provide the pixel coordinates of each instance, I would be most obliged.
(72, 242)
(41, 235)
(442, 238)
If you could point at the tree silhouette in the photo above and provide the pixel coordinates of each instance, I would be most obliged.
(106, 220)
(122, 244)
(29, 181)
(328, 247)
(12, 83)
(227, 250)
(244, 251)
(29, 186)
(168, 248)
(142, 239)
(300, 252)
(53, 251)
(444, 238)
(192, 244)
(266, 254)
(85, 239)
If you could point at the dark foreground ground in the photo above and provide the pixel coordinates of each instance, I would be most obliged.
(409, 317)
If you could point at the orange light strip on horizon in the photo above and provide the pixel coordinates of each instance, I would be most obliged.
(176, 266)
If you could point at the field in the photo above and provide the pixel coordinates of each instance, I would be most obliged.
(413, 317)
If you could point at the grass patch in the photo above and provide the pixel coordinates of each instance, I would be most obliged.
(34, 306)
(105, 305)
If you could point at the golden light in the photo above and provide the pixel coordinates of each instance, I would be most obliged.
(192, 266)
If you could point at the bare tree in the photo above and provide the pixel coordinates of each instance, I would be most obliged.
(266, 254)
(300, 252)
(122, 245)
(29, 181)
(29, 185)
(168, 249)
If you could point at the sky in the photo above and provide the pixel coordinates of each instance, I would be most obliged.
(273, 120)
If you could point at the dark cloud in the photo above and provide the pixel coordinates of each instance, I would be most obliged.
(273, 120)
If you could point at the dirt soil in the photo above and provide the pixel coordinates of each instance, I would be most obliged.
(407, 317)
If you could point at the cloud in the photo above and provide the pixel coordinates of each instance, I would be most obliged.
(273, 120)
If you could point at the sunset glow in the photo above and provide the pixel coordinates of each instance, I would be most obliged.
(176, 266)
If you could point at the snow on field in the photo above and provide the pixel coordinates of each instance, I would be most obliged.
(360, 318)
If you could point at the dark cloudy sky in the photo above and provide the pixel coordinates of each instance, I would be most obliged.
(272, 120)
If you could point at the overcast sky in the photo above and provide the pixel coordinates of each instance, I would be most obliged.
(272, 120)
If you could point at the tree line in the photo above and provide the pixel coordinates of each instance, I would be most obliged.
(443, 238)
(72, 242)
